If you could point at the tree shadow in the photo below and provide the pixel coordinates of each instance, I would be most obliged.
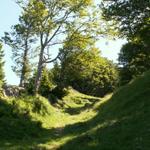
(117, 125)
(114, 127)
(89, 102)
(19, 130)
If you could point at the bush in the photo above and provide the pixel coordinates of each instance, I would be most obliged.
(59, 92)
(46, 83)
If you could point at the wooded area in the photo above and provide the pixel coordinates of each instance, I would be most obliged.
(85, 99)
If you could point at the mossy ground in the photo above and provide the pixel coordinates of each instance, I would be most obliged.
(78, 121)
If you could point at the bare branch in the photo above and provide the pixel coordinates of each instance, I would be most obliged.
(61, 23)
(52, 60)
(54, 33)
(56, 43)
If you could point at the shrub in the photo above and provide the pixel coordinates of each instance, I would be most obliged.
(46, 83)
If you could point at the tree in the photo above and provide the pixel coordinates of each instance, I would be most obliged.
(87, 72)
(19, 40)
(131, 19)
(134, 59)
(51, 20)
(2, 76)
(131, 16)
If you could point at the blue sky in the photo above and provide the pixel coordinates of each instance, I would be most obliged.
(9, 13)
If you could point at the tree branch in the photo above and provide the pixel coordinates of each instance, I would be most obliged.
(52, 60)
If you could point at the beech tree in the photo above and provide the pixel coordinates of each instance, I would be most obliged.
(52, 20)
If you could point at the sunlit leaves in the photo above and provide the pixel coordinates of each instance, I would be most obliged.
(69, 23)
(88, 72)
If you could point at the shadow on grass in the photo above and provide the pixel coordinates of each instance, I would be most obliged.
(89, 102)
(118, 125)
(18, 131)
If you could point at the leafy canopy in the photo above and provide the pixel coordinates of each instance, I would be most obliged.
(87, 72)
(130, 16)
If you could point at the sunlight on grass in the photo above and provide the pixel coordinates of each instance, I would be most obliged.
(115, 121)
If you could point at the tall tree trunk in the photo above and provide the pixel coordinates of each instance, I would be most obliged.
(21, 84)
(24, 65)
(39, 71)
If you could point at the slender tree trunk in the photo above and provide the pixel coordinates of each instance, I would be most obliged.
(21, 80)
(23, 71)
(39, 71)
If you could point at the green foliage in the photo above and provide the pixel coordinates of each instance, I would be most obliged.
(132, 19)
(59, 92)
(87, 72)
(130, 16)
(64, 20)
(30, 85)
(46, 83)
(134, 59)
(20, 40)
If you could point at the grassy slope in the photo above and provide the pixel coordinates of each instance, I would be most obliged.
(32, 123)
(79, 122)
(121, 123)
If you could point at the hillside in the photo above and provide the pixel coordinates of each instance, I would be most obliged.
(79, 122)
(121, 123)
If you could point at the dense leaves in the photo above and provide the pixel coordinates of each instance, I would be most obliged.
(134, 60)
(131, 16)
(46, 86)
(87, 72)
(51, 21)
(132, 19)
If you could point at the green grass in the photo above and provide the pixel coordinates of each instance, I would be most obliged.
(79, 122)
